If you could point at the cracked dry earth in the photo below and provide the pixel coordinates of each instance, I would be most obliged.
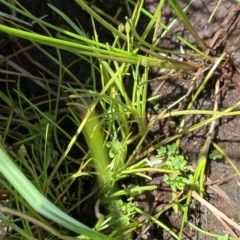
(224, 192)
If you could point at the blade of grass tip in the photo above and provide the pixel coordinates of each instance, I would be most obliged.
(174, 21)
(155, 18)
(195, 49)
(182, 16)
(14, 18)
(148, 45)
(21, 70)
(137, 11)
(68, 20)
(156, 21)
(143, 10)
(29, 15)
(100, 20)
(112, 19)
(214, 11)
(215, 236)
(38, 202)
(226, 157)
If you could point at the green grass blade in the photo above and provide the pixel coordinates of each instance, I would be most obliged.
(68, 20)
(38, 202)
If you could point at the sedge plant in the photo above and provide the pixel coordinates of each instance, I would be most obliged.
(107, 118)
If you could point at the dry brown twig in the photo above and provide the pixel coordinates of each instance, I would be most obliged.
(218, 214)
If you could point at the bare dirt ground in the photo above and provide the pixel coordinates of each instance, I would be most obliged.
(225, 194)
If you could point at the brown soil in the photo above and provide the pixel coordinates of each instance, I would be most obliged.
(227, 131)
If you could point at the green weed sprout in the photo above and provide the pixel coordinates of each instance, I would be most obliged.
(175, 161)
